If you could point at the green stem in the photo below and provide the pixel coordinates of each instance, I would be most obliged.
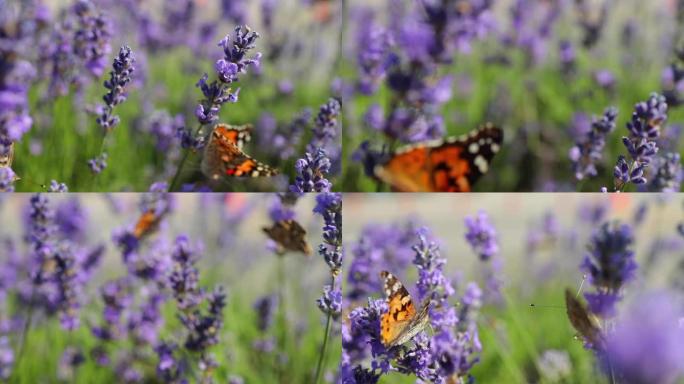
(176, 176)
(324, 346)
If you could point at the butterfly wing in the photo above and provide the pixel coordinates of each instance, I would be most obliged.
(400, 313)
(290, 236)
(146, 224)
(234, 134)
(223, 158)
(581, 320)
(6, 160)
(453, 165)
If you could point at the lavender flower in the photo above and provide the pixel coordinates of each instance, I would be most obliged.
(234, 62)
(57, 187)
(203, 328)
(647, 345)
(184, 280)
(119, 78)
(588, 149)
(329, 205)
(326, 125)
(644, 129)
(7, 179)
(331, 301)
(265, 308)
(609, 265)
(91, 39)
(6, 358)
(373, 55)
(481, 235)
(98, 163)
(668, 174)
(311, 172)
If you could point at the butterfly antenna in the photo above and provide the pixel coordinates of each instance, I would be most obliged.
(533, 305)
(42, 186)
(579, 290)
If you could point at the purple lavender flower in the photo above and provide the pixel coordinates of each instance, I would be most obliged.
(609, 265)
(668, 174)
(98, 163)
(6, 358)
(91, 39)
(647, 345)
(57, 187)
(329, 205)
(331, 301)
(71, 359)
(481, 235)
(7, 179)
(588, 149)
(234, 11)
(644, 129)
(184, 279)
(373, 56)
(311, 172)
(203, 329)
(119, 78)
(265, 308)
(218, 92)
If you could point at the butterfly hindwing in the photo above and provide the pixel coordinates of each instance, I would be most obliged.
(223, 156)
(7, 159)
(451, 165)
(289, 235)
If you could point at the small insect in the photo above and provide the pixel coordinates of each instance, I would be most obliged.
(223, 156)
(582, 320)
(289, 235)
(6, 159)
(450, 165)
(147, 223)
(401, 323)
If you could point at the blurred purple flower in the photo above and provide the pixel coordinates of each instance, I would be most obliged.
(311, 172)
(481, 235)
(98, 163)
(609, 265)
(647, 345)
(588, 148)
(7, 179)
(91, 38)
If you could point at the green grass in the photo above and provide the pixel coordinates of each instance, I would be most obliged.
(70, 136)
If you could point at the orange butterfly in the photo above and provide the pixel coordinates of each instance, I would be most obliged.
(401, 322)
(451, 165)
(147, 223)
(223, 156)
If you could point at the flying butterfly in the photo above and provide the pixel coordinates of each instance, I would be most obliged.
(223, 156)
(450, 165)
(401, 322)
(289, 235)
(147, 223)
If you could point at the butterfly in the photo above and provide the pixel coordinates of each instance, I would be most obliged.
(223, 155)
(6, 159)
(147, 223)
(289, 235)
(584, 322)
(451, 165)
(401, 322)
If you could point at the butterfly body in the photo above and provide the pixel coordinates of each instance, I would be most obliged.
(289, 235)
(450, 165)
(147, 223)
(223, 156)
(401, 323)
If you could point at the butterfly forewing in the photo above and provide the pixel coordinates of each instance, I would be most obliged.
(452, 165)
(401, 322)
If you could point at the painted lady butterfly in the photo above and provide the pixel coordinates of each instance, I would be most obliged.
(451, 165)
(147, 223)
(223, 156)
(583, 321)
(6, 160)
(401, 322)
(289, 235)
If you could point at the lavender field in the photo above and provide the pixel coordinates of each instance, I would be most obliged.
(203, 295)
(496, 267)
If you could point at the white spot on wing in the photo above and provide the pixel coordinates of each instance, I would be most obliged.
(473, 148)
(481, 164)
